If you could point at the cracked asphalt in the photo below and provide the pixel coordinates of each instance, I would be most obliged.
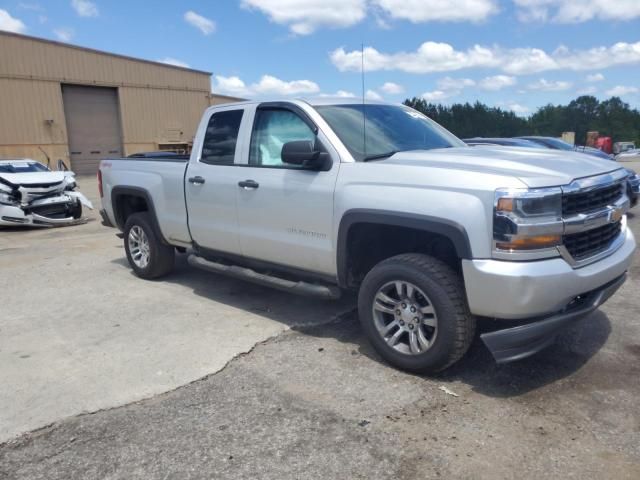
(315, 401)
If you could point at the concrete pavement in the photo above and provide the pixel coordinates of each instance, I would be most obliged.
(79, 332)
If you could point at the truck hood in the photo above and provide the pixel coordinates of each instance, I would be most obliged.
(533, 166)
(33, 178)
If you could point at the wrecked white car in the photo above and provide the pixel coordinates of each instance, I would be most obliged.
(33, 195)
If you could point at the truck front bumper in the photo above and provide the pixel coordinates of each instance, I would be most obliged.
(519, 290)
(519, 342)
(545, 295)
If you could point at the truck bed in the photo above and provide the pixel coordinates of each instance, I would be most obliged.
(161, 179)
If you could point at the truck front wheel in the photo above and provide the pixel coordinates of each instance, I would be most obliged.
(148, 256)
(414, 311)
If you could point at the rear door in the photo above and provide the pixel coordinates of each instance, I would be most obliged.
(211, 183)
(286, 212)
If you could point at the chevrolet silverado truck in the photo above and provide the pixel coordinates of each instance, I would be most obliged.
(321, 197)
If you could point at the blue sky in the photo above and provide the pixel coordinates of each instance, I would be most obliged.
(517, 54)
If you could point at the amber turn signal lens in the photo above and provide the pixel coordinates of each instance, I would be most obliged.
(506, 204)
(530, 243)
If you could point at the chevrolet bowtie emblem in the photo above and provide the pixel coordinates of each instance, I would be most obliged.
(615, 215)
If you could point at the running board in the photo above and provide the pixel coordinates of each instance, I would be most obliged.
(300, 288)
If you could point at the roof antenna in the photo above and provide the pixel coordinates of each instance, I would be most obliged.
(364, 118)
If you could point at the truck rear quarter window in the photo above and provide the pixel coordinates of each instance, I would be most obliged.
(219, 145)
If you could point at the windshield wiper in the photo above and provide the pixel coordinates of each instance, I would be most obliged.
(379, 156)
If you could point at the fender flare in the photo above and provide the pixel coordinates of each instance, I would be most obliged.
(441, 226)
(120, 191)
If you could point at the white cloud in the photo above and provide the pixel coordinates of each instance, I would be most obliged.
(621, 90)
(34, 7)
(455, 84)
(268, 85)
(392, 88)
(85, 8)
(576, 11)
(11, 24)
(175, 62)
(64, 34)
(272, 85)
(497, 82)
(550, 86)
(230, 85)
(373, 95)
(442, 57)
(303, 17)
(339, 94)
(203, 24)
(438, 95)
(590, 90)
(419, 11)
(517, 108)
(596, 77)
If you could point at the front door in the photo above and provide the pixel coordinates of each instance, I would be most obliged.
(285, 212)
(211, 183)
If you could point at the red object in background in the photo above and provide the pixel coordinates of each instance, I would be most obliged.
(605, 144)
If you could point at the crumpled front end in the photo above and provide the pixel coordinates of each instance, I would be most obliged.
(42, 205)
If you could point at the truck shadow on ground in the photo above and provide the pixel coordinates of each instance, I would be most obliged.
(338, 319)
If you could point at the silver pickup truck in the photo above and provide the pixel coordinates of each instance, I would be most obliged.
(320, 197)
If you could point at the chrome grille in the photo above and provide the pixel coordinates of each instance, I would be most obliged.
(591, 242)
(589, 200)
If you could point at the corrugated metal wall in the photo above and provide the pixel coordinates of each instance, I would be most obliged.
(31, 58)
(158, 103)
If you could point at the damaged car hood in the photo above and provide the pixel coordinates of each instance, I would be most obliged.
(27, 179)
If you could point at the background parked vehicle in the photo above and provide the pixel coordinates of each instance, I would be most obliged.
(33, 195)
(621, 147)
(558, 144)
(629, 156)
(506, 142)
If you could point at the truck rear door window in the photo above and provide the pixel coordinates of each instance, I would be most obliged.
(219, 145)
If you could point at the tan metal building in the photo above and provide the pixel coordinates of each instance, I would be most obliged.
(81, 105)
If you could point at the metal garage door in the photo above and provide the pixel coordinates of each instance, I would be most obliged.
(93, 126)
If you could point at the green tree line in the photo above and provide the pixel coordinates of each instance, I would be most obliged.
(611, 117)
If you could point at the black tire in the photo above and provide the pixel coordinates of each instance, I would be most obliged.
(161, 256)
(445, 289)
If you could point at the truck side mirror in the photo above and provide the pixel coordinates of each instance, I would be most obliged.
(303, 153)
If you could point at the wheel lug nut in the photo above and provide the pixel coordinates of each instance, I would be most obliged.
(415, 319)
(404, 305)
(410, 326)
(402, 322)
(413, 309)
(398, 312)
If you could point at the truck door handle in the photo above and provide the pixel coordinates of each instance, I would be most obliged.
(196, 180)
(249, 184)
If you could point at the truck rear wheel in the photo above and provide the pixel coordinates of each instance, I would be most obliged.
(414, 311)
(148, 256)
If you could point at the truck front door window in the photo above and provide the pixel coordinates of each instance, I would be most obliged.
(219, 145)
(272, 129)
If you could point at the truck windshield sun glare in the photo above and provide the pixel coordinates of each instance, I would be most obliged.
(390, 129)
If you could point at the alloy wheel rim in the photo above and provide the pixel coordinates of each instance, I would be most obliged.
(405, 317)
(139, 247)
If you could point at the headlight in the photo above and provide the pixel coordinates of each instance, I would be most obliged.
(526, 221)
(7, 199)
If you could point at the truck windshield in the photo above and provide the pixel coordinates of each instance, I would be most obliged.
(384, 130)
